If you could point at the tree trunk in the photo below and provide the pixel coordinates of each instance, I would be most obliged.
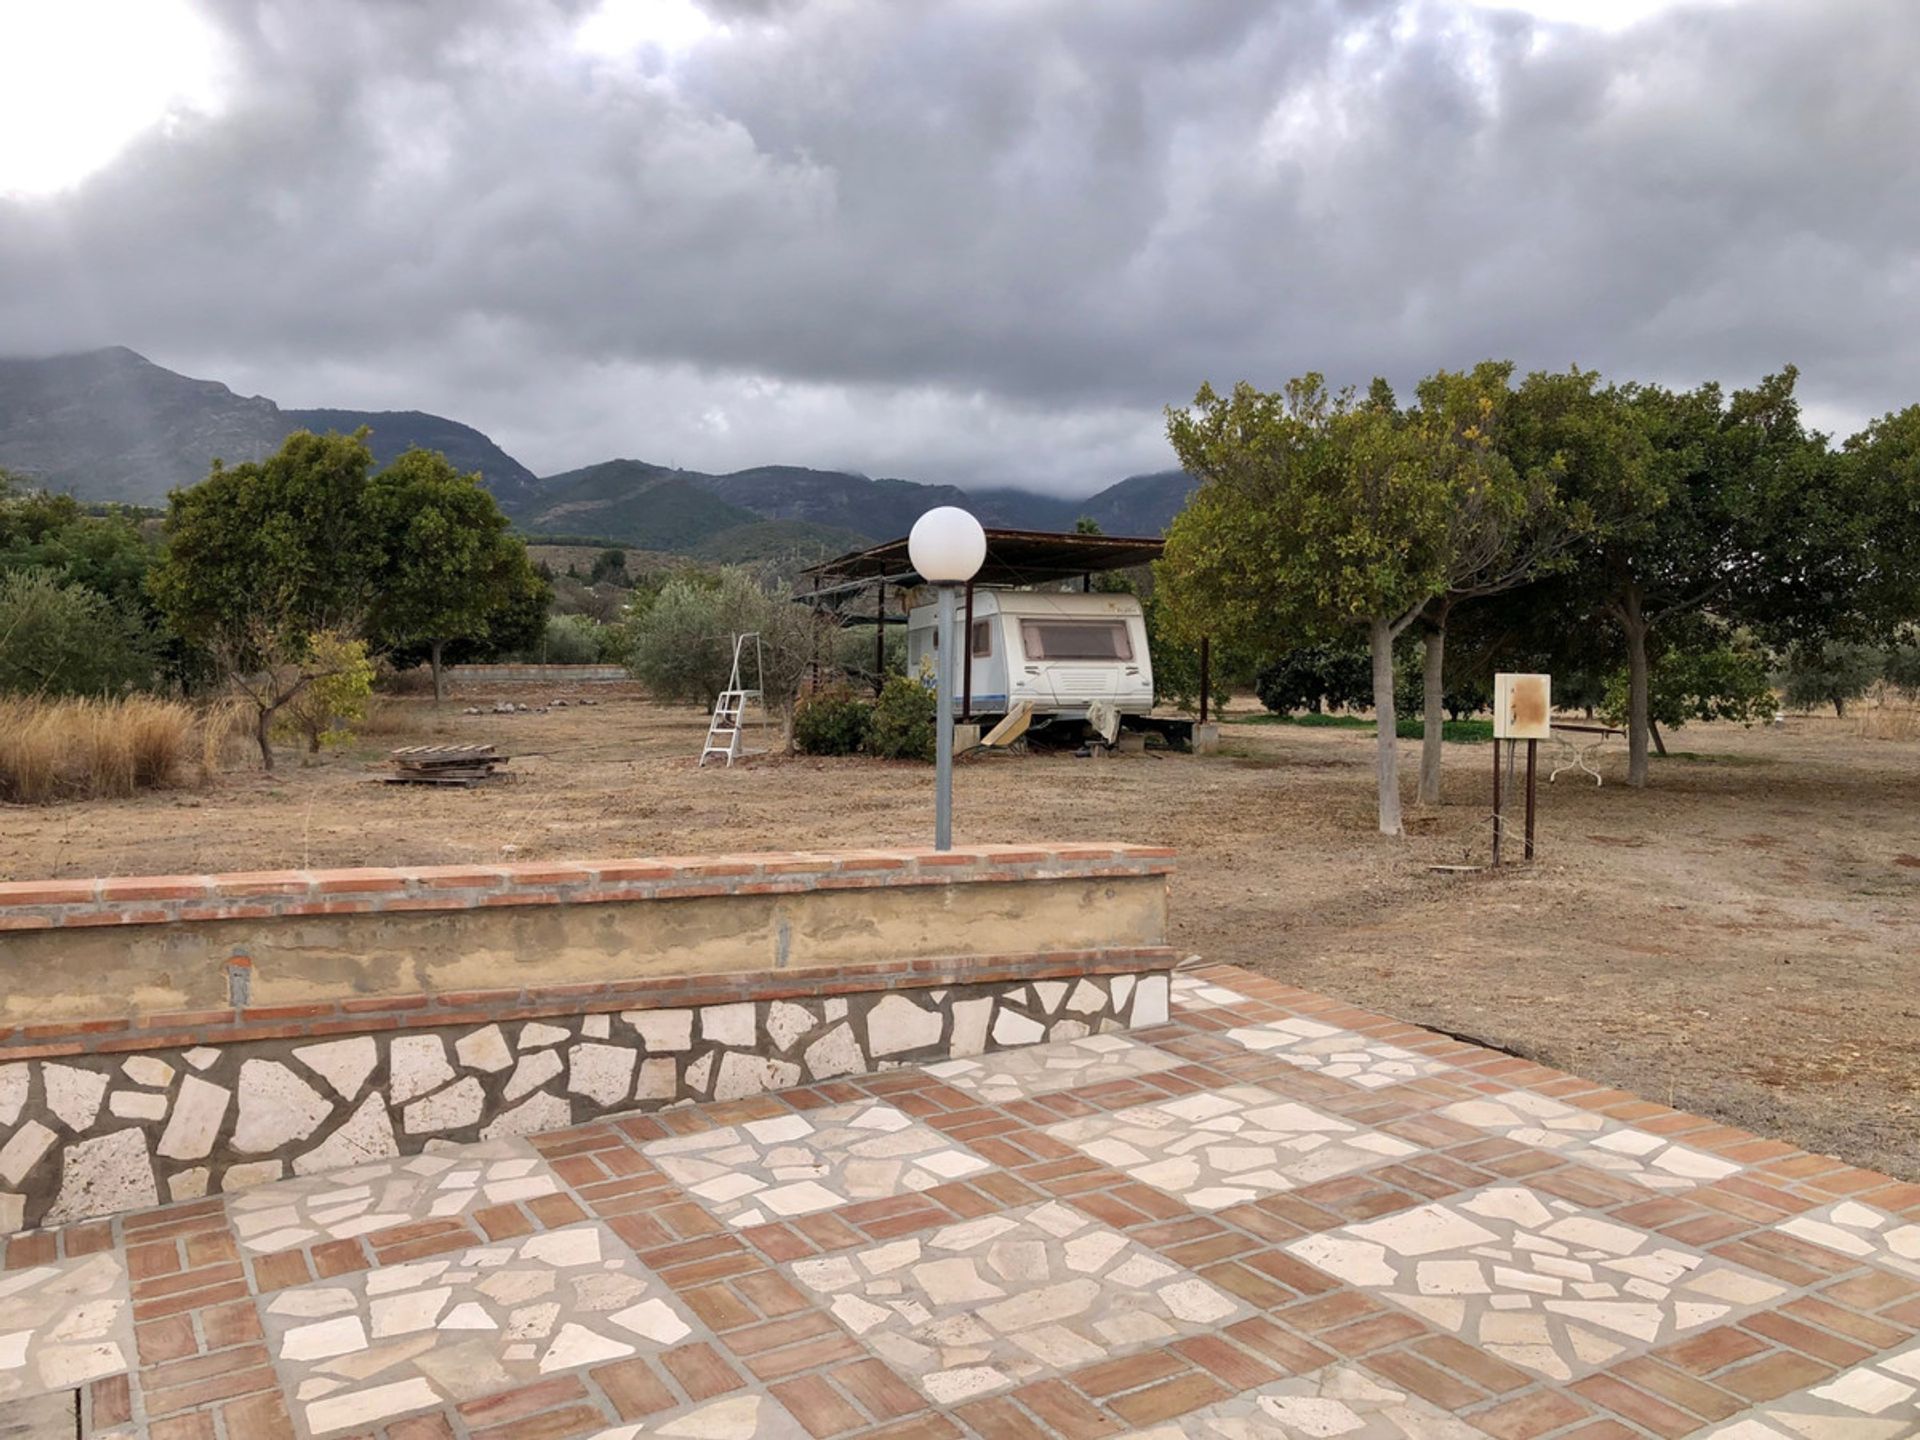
(439, 690)
(1386, 753)
(1433, 708)
(1633, 624)
(1659, 743)
(262, 723)
(1839, 707)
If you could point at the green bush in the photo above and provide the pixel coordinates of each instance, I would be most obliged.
(64, 638)
(578, 640)
(335, 699)
(1336, 676)
(902, 724)
(831, 722)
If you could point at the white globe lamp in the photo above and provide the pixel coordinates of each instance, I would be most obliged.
(947, 548)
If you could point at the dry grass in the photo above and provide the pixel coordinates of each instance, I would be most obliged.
(397, 719)
(1887, 716)
(87, 749)
(226, 733)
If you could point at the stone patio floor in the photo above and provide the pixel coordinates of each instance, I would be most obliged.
(1275, 1215)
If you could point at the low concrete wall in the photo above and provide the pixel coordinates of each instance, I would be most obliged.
(537, 674)
(168, 1036)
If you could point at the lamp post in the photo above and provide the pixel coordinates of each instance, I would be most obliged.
(947, 547)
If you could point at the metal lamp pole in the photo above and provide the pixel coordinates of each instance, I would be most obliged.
(947, 548)
(943, 722)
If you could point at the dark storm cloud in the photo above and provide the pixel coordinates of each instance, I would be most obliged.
(990, 240)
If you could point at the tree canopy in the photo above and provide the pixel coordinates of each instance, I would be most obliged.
(450, 568)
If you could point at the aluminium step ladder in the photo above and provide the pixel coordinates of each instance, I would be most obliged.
(725, 729)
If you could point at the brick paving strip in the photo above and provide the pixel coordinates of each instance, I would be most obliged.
(1276, 1215)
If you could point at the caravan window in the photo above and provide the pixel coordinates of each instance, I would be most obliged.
(1076, 639)
(982, 639)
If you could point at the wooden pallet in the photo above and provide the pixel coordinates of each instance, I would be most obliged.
(461, 765)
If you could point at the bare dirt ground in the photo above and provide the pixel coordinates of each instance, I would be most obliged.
(1742, 939)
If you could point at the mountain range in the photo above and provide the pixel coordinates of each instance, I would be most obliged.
(110, 425)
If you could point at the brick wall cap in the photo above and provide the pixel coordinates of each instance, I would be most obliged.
(45, 904)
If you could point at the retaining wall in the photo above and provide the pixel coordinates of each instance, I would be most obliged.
(168, 1036)
(537, 674)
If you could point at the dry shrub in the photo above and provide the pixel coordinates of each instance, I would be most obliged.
(85, 749)
(414, 680)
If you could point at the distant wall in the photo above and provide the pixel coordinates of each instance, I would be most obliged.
(167, 1036)
(536, 674)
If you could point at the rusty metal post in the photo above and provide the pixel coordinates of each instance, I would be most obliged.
(966, 660)
(1533, 747)
(880, 640)
(1086, 583)
(1496, 802)
(1206, 674)
(813, 639)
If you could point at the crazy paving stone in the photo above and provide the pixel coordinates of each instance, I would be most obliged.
(467, 1324)
(1591, 1138)
(1340, 1400)
(1533, 1280)
(1227, 1146)
(1341, 1054)
(379, 1195)
(1877, 1400)
(1038, 1069)
(973, 1308)
(792, 1165)
(64, 1324)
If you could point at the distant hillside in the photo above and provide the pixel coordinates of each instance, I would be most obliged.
(112, 425)
(635, 503)
(393, 431)
(834, 498)
(847, 504)
(786, 544)
(1140, 504)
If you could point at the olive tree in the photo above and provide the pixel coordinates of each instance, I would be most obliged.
(1319, 513)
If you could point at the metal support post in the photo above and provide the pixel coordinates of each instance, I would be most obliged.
(943, 724)
(1533, 747)
(1497, 817)
(963, 657)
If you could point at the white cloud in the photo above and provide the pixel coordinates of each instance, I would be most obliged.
(79, 79)
(987, 243)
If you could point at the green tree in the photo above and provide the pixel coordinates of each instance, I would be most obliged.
(1835, 673)
(681, 645)
(59, 637)
(1703, 504)
(327, 709)
(1881, 493)
(451, 566)
(260, 557)
(1706, 674)
(1508, 527)
(1316, 514)
(1313, 677)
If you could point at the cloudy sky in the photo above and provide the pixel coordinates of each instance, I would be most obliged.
(982, 241)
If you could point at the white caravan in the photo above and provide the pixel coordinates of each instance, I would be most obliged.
(1060, 652)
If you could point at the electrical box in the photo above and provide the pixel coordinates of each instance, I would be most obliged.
(1522, 707)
